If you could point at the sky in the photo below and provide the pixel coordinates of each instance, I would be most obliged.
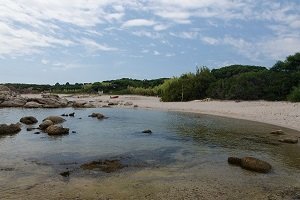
(95, 40)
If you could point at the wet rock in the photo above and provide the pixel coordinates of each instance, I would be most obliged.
(9, 129)
(64, 115)
(254, 164)
(33, 104)
(31, 128)
(107, 166)
(65, 174)
(72, 114)
(234, 161)
(28, 120)
(97, 115)
(37, 133)
(147, 131)
(135, 106)
(289, 140)
(56, 130)
(45, 124)
(277, 132)
(73, 131)
(55, 119)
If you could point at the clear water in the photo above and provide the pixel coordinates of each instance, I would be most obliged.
(185, 150)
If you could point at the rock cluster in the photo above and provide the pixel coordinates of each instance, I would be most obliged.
(28, 120)
(8, 98)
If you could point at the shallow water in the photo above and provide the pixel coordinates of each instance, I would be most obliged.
(184, 158)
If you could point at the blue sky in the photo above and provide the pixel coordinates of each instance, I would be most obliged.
(95, 40)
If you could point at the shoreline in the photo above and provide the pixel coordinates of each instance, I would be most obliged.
(279, 113)
(284, 114)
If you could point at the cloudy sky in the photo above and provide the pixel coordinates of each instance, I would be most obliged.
(94, 40)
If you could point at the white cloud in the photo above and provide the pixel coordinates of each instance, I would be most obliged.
(92, 45)
(156, 53)
(44, 61)
(148, 34)
(138, 22)
(185, 34)
(210, 40)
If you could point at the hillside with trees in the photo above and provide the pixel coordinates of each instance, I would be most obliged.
(236, 82)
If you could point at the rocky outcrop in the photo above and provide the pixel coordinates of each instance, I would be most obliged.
(45, 124)
(55, 119)
(251, 163)
(28, 120)
(56, 130)
(9, 98)
(9, 129)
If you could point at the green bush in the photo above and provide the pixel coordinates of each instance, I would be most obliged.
(294, 96)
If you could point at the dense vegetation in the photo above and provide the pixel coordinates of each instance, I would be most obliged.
(235, 82)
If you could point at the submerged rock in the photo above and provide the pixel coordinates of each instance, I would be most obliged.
(28, 120)
(55, 119)
(277, 132)
(45, 124)
(147, 131)
(289, 140)
(107, 166)
(251, 163)
(9, 129)
(56, 130)
(255, 164)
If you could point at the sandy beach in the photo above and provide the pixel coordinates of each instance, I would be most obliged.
(285, 114)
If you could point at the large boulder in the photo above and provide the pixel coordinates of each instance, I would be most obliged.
(45, 124)
(28, 120)
(56, 130)
(250, 163)
(9, 129)
(33, 104)
(55, 119)
(254, 164)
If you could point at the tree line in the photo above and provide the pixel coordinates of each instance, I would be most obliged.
(235, 82)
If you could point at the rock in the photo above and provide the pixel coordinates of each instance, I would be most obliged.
(64, 115)
(107, 166)
(13, 102)
(65, 174)
(254, 164)
(56, 130)
(234, 161)
(289, 140)
(33, 104)
(37, 133)
(128, 104)
(277, 132)
(45, 124)
(135, 106)
(28, 120)
(77, 104)
(88, 105)
(31, 128)
(9, 129)
(73, 131)
(72, 114)
(147, 131)
(97, 115)
(112, 103)
(55, 119)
